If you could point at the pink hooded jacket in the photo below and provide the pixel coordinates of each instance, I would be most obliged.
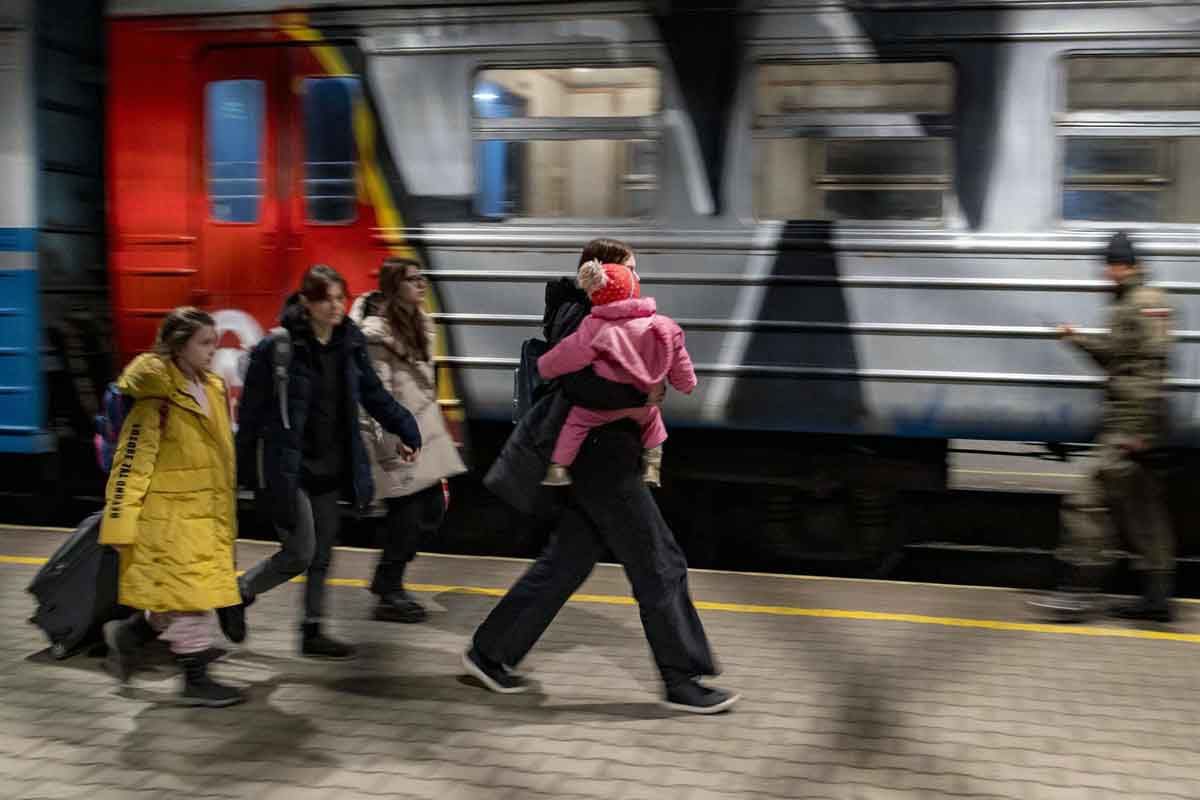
(627, 342)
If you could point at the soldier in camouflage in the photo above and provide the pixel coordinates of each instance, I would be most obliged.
(1125, 493)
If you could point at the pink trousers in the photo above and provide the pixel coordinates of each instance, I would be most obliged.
(186, 631)
(581, 421)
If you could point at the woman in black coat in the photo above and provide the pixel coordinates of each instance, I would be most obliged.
(305, 455)
(607, 507)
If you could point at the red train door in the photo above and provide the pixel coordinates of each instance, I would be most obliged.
(332, 221)
(246, 178)
(281, 186)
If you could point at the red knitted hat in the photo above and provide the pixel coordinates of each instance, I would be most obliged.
(608, 283)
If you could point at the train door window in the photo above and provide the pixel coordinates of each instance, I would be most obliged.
(234, 116)
(853, 141)
(570, 142)
(1128, 138)
(330, 154)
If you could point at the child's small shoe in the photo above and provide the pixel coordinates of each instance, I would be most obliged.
(557, 475)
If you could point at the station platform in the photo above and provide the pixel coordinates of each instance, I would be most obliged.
(850, 689)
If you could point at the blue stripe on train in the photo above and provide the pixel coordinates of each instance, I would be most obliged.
(22, 388)
(18, 240)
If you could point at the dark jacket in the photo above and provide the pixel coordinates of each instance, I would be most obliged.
(517, 474)
(270, 456)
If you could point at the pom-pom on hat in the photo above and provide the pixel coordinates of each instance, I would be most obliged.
(608, 283)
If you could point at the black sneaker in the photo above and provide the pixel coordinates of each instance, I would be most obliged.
(315, 644)
(400, 607)
(696, 698)
(494, 676)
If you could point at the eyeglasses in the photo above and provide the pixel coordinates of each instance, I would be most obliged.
(416, 280)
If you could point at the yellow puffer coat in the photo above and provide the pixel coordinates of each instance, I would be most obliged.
(170, 505)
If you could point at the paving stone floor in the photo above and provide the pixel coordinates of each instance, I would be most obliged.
(923, 702)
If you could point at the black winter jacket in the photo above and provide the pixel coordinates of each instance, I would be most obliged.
(517, 474)
(270, 456)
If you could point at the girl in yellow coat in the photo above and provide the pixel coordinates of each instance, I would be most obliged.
(170, 506)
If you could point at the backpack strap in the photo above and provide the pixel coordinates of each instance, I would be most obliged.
(281, 359)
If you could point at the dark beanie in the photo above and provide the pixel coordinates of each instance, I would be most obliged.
(1120, 250)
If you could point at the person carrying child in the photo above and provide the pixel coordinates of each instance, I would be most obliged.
(624, 340)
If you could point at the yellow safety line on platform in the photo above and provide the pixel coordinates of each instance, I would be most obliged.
(37, 562)
(781, 611)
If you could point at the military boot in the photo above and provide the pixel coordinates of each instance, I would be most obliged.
(1155, 602)
(652, 466)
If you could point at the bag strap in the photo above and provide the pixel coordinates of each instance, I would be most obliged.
(281, 359)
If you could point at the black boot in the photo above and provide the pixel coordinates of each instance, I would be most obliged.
(125, 639)
(201, 690)
(399, 606)
(1155, 602)
(233, 618)
(314, 644)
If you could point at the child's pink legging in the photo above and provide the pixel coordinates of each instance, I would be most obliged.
(581, 421)
(186, 631)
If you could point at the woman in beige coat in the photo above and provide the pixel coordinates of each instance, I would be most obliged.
(400, 337)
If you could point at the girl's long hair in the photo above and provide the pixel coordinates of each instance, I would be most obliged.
(408, 323)
(177, 328)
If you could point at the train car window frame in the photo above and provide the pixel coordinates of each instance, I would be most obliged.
(355, 96)
(1154, 126)
(818, 130)
(638, 165)
(261, 125)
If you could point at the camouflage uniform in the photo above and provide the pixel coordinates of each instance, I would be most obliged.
(1126, 490)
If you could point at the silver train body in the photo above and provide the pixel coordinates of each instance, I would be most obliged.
(936, 328)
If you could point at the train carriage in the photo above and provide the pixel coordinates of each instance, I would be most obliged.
(866, 215)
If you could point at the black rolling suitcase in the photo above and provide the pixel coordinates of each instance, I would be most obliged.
(76, 590)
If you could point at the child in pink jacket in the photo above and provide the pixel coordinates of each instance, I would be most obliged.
(626, 341)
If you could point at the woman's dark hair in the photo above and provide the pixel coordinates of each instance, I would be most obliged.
(178, 327)
(408, 324)
(317, 282)
(606, 251)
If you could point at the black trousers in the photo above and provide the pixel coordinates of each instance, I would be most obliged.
(411, 521)
(609, 507)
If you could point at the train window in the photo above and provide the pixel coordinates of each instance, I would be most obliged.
(330, 155)
(1129, 153)
(1138, 83)
(571, 142)
(853, 141)
(233, 112)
